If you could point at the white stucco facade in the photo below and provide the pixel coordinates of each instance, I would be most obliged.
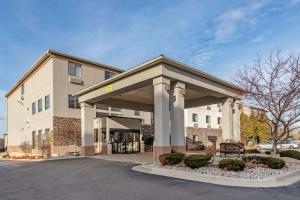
(213, 112)
(49, 76)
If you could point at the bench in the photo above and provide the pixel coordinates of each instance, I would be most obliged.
(232, 148)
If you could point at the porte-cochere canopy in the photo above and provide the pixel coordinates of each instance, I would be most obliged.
(165, 87)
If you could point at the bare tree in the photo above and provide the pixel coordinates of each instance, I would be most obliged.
(26, 147)
(273, 83)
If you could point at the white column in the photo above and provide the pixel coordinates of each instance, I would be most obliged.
(161, 117)
(236, 121)
(227, 133)
(108, 142)
(142, 144)
(177, 117)
(88, 113)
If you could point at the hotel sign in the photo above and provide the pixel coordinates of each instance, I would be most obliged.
(109, 88)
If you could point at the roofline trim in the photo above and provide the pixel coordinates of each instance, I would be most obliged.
(47, 55)
(165, 60)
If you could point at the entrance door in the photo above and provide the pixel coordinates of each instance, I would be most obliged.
(125, 141)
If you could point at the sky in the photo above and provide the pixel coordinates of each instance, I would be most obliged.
(216, 36)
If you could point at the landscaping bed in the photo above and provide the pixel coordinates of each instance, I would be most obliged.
(254, 166)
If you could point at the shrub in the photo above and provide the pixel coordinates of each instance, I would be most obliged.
(196, 161)
(273, 163)
(232, 164)
(290, 154)
(171, 158)
(268, 152)
(26, 148)
(252, 151)
(4, 155)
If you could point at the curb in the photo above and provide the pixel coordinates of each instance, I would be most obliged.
(274, 181)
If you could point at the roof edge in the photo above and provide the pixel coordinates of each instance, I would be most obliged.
(45, 56)
(165, 60)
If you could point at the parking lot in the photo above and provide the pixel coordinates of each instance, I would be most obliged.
(88, 178)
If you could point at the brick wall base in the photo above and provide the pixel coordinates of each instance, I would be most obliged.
(65, 131)
(17, 151)
(88, 150)
(65, 149)
(202, 135)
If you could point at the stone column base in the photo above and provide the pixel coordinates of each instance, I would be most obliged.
(87, 150)
(109, 148)
(142, 146)
(179, 148)
(103, 149)
(158, 150)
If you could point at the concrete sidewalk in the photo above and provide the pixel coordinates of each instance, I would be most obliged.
(138, 158)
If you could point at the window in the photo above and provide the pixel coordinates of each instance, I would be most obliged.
(22, 89)
(103, 132)
(137, 113)
(33, 108)
(73, 102)
(195, 117)
(74, 69)
(207, 119)
(47, 102)
(219, 105)
(108, 74)
(70, 139)
(39, 139)
(208, 108)
(194, 138)
(33, 140)
(47, 133)
(40, 105)
(96, 139)
(219, 120)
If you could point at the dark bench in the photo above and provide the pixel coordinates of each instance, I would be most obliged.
(232, 148)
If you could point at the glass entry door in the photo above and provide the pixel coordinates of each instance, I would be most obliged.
(125, 141)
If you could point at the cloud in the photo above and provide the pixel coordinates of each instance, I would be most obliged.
(294, 2)
(228, 23)
(261, 37)
(202, 56)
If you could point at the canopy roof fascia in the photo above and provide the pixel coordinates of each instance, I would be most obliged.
(170, 62)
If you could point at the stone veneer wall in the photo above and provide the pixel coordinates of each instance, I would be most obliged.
(65, 130)
(203, 133)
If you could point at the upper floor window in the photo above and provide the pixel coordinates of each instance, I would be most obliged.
(33, 108)
(40, 105)
(96, 136)
(115, 109)
(208, 108)
(219, 120)
(195, 117)
(74, 69)
(207, 119)
(22, 89)
(137, 113)
(108, 74)
(47, 102)
(73, 102)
